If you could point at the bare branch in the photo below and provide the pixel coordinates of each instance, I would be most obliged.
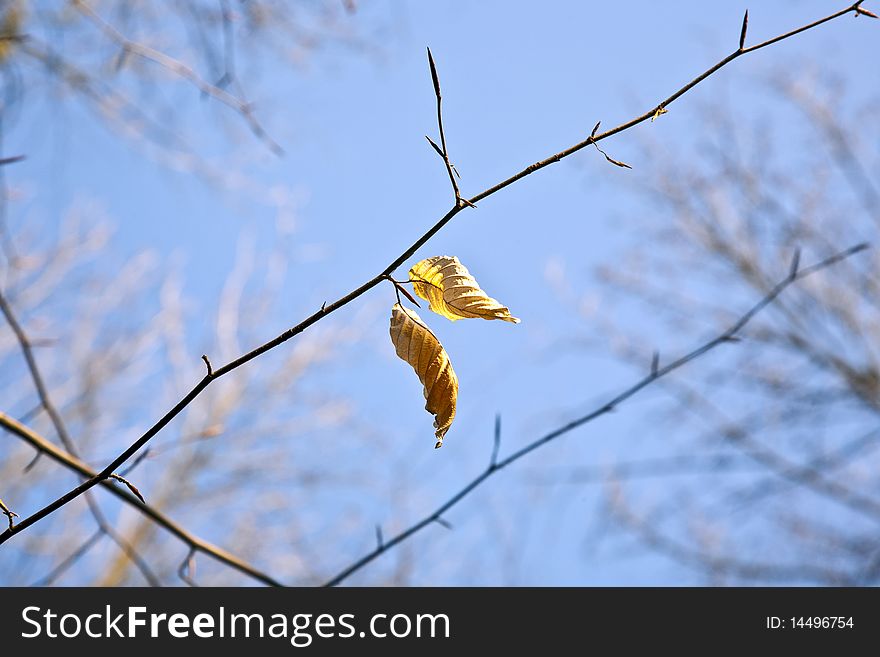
(661, 372)
(745, 27)
(368, 285)
(441, 150)
(12, 160)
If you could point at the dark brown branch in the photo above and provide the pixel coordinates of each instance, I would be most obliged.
(12, 160)
(661, 372)
(616, 163)
(72, 463)
(378, 278)
(441, 149)
(742, 33)
(653, 111)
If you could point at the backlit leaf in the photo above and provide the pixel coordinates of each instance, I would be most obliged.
(415, 344)
(451, 291)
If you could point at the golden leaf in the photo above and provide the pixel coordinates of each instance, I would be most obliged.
(419, 347)
(451, 291)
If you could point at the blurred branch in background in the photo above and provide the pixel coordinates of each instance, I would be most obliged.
(107, 334)
(134, 65)
(129, 47)
(73, 463)
(269, 459)
(656, 373)
(803, 407)
(461, 203)
(108, 344)
(61, 430)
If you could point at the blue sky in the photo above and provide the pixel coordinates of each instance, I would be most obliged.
(520, 81)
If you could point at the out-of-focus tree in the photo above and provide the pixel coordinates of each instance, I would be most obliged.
(111, 355)
(764, 469)
(134, 62)
(117, 353)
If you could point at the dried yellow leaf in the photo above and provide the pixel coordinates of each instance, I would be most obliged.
(415, 344)
(451, 291)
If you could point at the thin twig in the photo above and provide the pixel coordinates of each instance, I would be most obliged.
(496, 443)
(398, 287)
(616, 163)
(11, 160)
(134, 490)
(378, 278)
(187, 570)
(442, 150)
(706, 347)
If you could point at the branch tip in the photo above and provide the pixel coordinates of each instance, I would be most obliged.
(616, 163)
(12, 160)
(32, 462)
(434, 77)
(795, 264)
(208, 365)
(673, 365)
(435, 146)
(496, 444)
(130, 486)
(443, 523)
(745, 27)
